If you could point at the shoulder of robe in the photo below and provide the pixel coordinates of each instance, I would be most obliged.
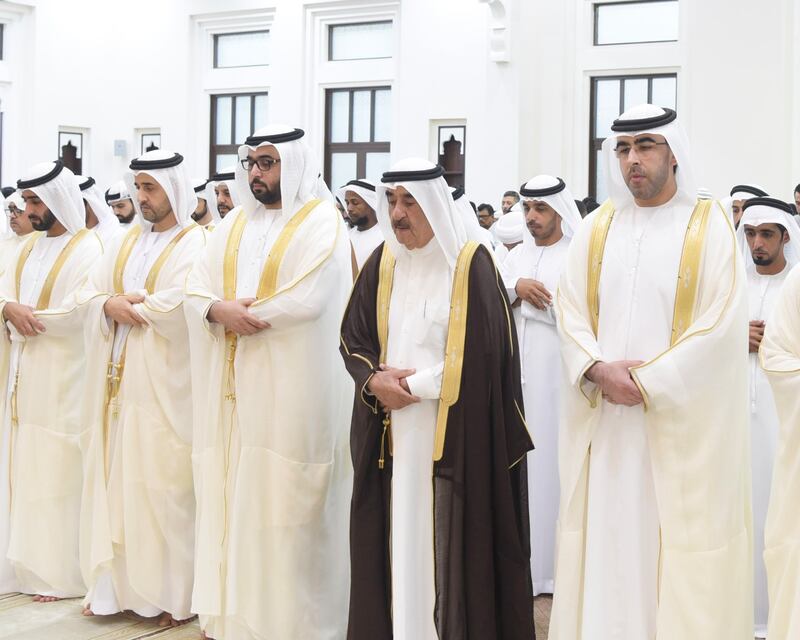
(792, 282)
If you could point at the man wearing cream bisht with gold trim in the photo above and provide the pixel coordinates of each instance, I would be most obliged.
(137, 513)
(42, 361)
(272, 411)
(655, 531)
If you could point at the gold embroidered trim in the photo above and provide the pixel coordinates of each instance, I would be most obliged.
(66, 252)
(268, 283)
(454, 350)
(385, 282)
(597, 245)
(23, 257)
(232, 257)
(124, 254)
(155, 270)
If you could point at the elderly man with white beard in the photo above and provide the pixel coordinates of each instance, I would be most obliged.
(439, 521)
(44, 349)
(271, 458)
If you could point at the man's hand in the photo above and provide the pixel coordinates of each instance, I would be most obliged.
(389, 386)
(120, 309)
(235, 317)
(534, 292)
(615, 381)
(21, 316)
(756, 335)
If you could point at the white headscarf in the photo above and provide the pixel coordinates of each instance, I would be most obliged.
(562, 202)
(117, 192)
(173, 179)
(470, 219)
(200, 187)
(763, 210)
(55, 185)
(433, 195)
(747, 191)
(227, 177)
(362, 188)
(510, 228)
(300, 181)
(648, 118)
(91, 193)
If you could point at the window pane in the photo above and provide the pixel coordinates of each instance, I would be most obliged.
(225, 161)
(343, 168)
(636, 22)
(340, 116)
(377, 165)
(600, 177)
(242, 49)
(260, 118)
(75, 139)
(606, 106)
(665, 91)
(360, 41)
(635, 92)
(362, 110)
(223, 134)
(242, 118)
(383, 115)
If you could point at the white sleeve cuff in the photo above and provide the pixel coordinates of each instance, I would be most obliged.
(427, 383)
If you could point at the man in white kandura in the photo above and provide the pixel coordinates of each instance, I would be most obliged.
(359, 200)
(272, 469)
(222, 194)
(137, 517)
(769, 239)
(44, 383)
(655, 523)
(780, 358)
(531, 273)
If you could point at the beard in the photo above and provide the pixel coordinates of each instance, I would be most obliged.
(197, 216)
(268, 195)
(763, 261)
(358, 221)
(128, 218)
(46, 223)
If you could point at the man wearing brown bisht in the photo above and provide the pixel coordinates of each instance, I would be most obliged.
(439, 518)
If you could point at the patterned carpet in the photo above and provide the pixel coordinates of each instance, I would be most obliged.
(23, 619)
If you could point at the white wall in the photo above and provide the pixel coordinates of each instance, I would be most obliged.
(112, 66)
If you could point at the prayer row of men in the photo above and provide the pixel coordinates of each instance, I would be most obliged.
(215, 416)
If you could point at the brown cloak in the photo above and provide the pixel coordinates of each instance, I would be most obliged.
(481, 528)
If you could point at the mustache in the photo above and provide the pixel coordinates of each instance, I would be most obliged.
(401, 225)
(636, 171)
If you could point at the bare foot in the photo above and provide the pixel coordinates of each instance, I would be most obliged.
(166, 620)
(45, 599)
(87, 610)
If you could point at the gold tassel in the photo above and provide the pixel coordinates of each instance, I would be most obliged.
(387, 421)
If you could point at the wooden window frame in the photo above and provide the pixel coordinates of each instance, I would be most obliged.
(331, 28)
(214, 149)
(217, 36)
(595, 143)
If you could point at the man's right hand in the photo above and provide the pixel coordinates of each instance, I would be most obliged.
(23, 319)
(534, 292)
(120, 309)
(615, 381)
(390, 388)
(756, 335)
(235, 317)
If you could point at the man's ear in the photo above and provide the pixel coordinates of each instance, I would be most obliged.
(786, 237)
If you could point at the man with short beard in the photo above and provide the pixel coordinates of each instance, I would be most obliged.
(19, 228)
(655, 525)
(531, 272)
(221, 192)
(42, 387)
(203, 214)
(272, 465)
(137, 519)
(769, 239)
(118, 198)
(365, 235)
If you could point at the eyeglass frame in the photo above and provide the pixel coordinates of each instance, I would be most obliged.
(249, 163)
(639, 151)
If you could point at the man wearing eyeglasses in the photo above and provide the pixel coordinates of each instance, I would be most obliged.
(19, 226)
(271, 451)
(655, 531)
